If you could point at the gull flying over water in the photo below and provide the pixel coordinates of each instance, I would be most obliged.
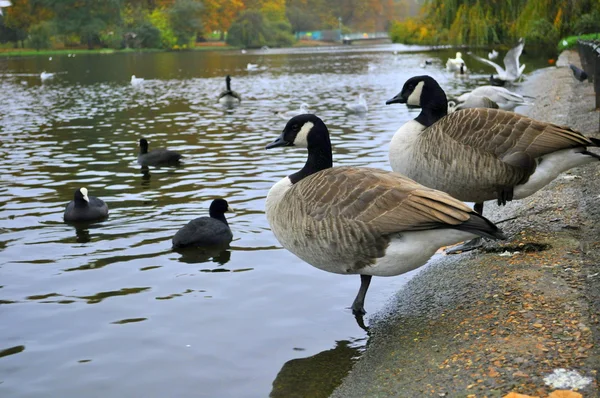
(512, 69)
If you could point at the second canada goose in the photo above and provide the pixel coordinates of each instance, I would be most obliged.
(157, 157)
(227, 96)
(481, 154)
(365, 221)
(505, 99)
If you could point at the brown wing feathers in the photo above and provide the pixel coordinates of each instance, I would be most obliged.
(386, 201)
(502, 133)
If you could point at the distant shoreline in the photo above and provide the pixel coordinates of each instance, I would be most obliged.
(207, 46)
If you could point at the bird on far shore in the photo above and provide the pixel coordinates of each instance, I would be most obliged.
(493, 55)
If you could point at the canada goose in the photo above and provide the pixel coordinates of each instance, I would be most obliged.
(359, 106)
(454, 64)
(136, 81)
(480, 154)
(578, 73)
(206, 231)
(505, 99)
(227, 96)
(472, 102)
(157, 157)
(512, 70)
(351, 220)
(85, 208)
(493, 55)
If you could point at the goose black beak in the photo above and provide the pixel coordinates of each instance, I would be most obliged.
(398, 99)
(280, 141)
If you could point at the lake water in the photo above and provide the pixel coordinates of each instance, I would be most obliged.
(111, 311)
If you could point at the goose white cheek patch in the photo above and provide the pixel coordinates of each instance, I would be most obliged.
(302, 136)
(414, 98)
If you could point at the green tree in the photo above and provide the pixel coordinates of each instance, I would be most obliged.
(85, 18)
(252, 30)
(185, 20)
(248, 30)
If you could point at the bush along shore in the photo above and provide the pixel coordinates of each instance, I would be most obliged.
(521, 316)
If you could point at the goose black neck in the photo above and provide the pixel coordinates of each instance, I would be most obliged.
(143, 148)
(319, 158)
(217, 215)
(228, 84)
(429, 116)
(434, 104)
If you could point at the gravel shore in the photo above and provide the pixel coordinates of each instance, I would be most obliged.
(505, 318)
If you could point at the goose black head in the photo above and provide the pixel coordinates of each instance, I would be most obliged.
(143, 146)
(304, 131)
(421, 92)
(81, 195)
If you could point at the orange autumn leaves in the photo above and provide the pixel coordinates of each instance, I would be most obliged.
(554, 394)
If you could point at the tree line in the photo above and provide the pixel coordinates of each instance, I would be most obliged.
(478, 22)
(178, 24)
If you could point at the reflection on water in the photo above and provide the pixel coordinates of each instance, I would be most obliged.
(318, 375)
(221, 323)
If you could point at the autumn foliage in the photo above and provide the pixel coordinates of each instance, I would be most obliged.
(178, 24)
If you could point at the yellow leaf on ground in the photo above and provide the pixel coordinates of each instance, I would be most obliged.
(564, 394)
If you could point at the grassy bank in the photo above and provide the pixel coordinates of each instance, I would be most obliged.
(29, 52)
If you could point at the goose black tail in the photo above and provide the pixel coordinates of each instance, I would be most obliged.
(481, 226)
(596, 141)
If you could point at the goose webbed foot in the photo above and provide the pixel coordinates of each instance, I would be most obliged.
(466, 247)
(358, 306)
(505, 194)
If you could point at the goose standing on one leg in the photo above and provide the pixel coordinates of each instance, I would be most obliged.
(481, 154)
(228, 97)
(365, 221)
